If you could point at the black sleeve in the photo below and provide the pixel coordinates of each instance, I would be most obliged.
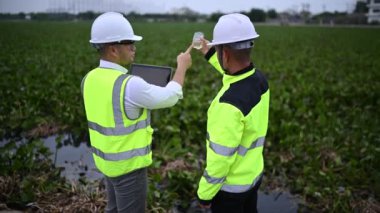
(210, 53)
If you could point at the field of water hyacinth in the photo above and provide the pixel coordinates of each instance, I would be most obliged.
(323, 142)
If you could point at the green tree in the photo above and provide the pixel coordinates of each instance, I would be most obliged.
(88, 15)
(272, 14)
(257, 15)
(361, 7)
(214, 17)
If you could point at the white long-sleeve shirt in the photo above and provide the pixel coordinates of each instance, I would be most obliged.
(140, 94)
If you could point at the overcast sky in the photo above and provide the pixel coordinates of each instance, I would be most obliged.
(162, 6)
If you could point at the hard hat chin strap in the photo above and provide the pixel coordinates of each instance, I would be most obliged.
(241, 45)
(220, 58)
(97, 46)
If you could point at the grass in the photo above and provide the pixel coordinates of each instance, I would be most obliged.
(322, 143)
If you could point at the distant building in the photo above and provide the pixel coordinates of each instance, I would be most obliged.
(373, 14)
(184, 11)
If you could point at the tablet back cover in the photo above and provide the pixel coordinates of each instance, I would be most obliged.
(157, 75)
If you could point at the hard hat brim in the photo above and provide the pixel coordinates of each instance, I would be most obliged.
(133, 38)
(136, 38)
(231, 41)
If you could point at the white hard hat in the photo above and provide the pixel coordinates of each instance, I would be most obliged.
(233, 28)
(112, 27)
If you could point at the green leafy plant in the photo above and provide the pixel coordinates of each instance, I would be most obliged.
(322, 143)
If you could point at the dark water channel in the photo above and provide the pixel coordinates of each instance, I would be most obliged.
(77, 162)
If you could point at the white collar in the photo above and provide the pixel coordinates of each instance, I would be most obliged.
(111, 65)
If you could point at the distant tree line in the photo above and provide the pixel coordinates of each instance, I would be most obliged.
(188, 15)
(49, 16)
(256, 15)
(338, 18)
(357, 17)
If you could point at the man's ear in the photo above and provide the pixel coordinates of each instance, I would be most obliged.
(113, 51)
(226, 55)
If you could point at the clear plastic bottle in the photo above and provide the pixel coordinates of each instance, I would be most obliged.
(197, 42)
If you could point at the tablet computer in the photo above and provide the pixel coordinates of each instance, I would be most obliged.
(157, 75)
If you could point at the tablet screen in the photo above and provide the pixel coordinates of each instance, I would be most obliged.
(156, 75)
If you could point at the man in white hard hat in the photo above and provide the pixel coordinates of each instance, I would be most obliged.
(237, 120)
(118, 112)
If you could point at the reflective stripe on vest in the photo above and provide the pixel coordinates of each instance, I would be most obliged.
(121, 155)
(229, 151)
(240, 188)
(213, 180)
(119, 128)
(231, 188)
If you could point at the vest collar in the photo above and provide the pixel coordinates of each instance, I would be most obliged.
(111, 65)
(241, 74)
(244, 70)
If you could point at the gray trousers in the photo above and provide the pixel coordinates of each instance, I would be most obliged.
(127, 193)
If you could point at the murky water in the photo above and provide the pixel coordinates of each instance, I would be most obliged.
(273, 202)
(77, 162)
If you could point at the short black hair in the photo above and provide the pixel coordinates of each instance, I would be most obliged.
(240, 54)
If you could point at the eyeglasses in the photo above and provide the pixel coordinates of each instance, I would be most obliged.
(130, 44)
(125, 42)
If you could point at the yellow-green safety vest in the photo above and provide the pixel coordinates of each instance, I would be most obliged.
(119, 145)
(235, 136)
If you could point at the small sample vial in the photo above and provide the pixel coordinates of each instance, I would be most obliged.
(197, 42)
